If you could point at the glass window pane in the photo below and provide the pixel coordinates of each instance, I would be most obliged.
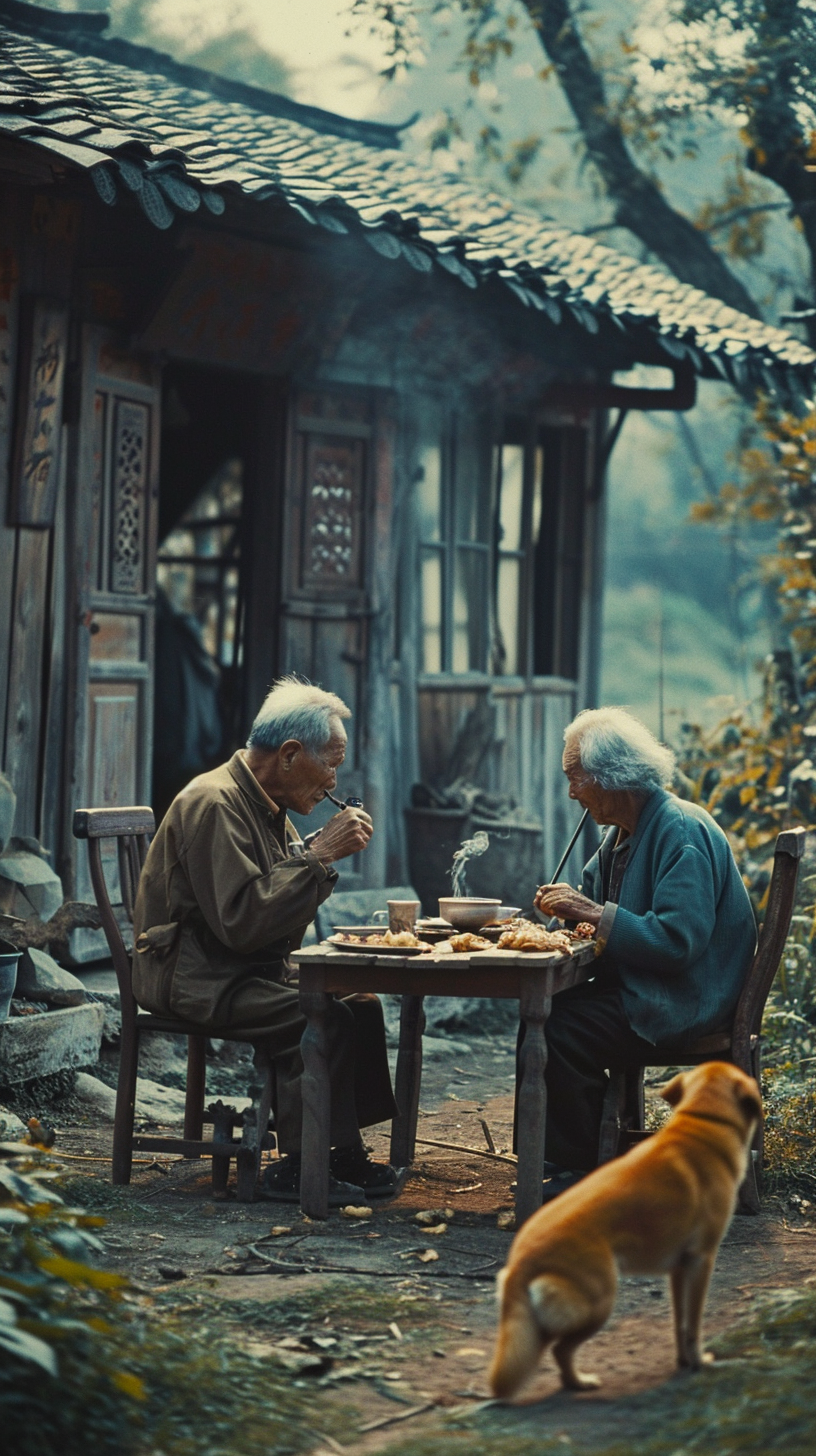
(507, 611)
(469, 645)
(512, 497)
(431, 607)
(471, 486)
(429, 493)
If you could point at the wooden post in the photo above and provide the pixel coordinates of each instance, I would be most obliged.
(408, 1080)
(535, 1004)
(316, 1096)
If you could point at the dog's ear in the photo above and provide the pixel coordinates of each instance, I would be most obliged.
(673, 1090)
(750, 1105)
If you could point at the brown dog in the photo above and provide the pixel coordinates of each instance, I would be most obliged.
(661, 1209)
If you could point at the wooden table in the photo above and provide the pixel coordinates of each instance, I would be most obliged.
(531, 979)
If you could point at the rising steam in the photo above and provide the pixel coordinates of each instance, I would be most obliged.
(468, 849)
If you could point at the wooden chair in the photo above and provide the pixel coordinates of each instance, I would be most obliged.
(623, 1121)
(131, 830)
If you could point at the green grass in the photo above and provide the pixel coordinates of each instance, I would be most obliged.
(758, 1398)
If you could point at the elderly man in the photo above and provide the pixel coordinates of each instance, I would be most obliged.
(674, 929)
(228, 890)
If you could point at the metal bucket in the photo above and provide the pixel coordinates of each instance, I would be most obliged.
(9, 960)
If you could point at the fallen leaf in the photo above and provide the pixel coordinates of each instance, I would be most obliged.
(427, 1256)
(469, 1350)
(428, 1216)
(360, 1211)
(279, 1230)
(395, 1330)
(506, 1219)
(438, 1228)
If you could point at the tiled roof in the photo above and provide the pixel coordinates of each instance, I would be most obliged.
(177, 137)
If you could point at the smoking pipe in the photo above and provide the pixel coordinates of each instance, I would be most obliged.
(351, 803)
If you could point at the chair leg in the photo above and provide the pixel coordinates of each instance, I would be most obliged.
(612, 1117)
(122, 1160)
(223, 1120)
(196, 1088)
(255, 1134)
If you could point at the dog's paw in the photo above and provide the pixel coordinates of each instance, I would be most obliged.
(580, 1381)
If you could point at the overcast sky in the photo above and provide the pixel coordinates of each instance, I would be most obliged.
(330, 68)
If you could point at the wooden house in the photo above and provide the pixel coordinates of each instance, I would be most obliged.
(311, 406)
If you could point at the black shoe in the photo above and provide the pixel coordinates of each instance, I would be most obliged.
(377, 1180)
(558, 1183)
(281, 1184)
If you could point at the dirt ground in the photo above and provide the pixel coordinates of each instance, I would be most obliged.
(382, 1325)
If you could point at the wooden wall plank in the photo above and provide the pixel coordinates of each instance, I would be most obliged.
(25, 690)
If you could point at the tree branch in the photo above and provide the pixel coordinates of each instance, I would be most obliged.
(639, 204)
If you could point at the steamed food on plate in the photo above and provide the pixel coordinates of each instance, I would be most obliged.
(468, 941)
(385, 937)
(524, 935)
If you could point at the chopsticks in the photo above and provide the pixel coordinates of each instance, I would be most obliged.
(570, 847)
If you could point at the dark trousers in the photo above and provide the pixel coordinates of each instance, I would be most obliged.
(588, 1035)
(361, 1092)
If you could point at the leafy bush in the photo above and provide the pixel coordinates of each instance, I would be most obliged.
(91, 1365)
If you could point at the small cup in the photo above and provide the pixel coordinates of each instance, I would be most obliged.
(403, 914)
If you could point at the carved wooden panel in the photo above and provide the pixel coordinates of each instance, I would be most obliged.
(333, 514)
(129, 465)
(39, 415)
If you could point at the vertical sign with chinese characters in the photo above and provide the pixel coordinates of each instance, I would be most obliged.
(35, 464)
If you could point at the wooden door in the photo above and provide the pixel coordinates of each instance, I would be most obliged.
(117, 487)
(326, 577)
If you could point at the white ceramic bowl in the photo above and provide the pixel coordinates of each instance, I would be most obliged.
(467, 912)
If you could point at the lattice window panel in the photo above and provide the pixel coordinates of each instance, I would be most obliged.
(129, 461)
(333, 518)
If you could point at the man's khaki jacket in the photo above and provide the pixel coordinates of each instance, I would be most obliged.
(222, 897)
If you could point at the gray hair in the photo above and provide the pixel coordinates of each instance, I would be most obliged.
(296, 709)
(619, 752)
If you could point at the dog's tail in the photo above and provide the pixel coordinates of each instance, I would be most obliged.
(532, 1316)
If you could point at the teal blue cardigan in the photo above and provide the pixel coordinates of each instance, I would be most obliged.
(683, 934)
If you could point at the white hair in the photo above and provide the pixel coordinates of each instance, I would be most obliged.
(296, 709)
(619, 752)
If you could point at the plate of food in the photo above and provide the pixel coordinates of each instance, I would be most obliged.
(524, 935)
(380, 942)
(462, 941)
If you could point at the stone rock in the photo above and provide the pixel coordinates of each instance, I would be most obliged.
(154, 1103)
(470, 1015)
(8, 805)
(453, 1016)
(28, 885)
(39, 1045)
(112, 1007)
(39, 978)
(11, 1128)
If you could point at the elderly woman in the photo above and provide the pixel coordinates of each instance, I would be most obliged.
(228, 890)
(674, 929)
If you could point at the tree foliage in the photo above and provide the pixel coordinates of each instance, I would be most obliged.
(680, 71)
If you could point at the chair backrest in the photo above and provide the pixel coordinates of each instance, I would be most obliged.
(790, 846)
(131, 829)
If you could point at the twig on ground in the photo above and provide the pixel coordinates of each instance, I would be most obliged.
(319, 1267)
(407, 1415)
(491, 1146)
(474, 1152)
